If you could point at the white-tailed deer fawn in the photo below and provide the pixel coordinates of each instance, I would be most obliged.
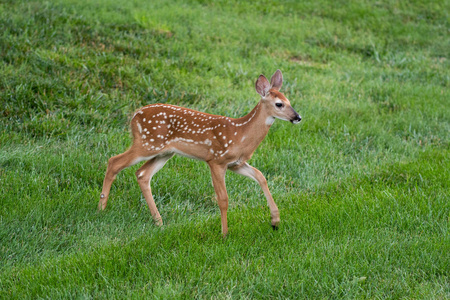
(162, 130)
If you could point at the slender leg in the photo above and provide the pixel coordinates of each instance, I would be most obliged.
(115, 165)
(218, 179)
(144, 176)
(256, 175)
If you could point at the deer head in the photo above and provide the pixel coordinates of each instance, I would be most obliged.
(276, 104)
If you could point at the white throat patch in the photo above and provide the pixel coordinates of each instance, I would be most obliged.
(270, 120)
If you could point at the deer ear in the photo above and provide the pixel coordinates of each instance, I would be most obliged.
(262, 85)
(277, 80)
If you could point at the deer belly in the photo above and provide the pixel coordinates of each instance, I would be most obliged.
(191, 149)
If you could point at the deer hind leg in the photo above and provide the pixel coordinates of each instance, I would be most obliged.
(218, 179)
(144, 176)
(115, 165)
(256, 175)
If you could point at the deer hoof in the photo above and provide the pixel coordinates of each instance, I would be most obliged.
(100, 206)
(275, 227)
(159, 222)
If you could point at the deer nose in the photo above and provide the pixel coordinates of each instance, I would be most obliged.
(297, 119)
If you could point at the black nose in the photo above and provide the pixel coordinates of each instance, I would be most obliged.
(296, 119)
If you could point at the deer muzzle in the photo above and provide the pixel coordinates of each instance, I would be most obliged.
(296, 119)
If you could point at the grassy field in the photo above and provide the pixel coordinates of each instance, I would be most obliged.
(362, 183)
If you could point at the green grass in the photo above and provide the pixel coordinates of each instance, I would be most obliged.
(362, 183)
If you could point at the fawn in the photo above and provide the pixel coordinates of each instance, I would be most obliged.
(162, 130)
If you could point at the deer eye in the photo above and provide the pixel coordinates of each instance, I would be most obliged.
(279, 104)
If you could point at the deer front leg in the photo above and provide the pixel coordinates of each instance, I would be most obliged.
(256, 175)
(218, 179)
(144, 176)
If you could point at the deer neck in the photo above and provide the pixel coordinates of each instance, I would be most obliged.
(255, 126)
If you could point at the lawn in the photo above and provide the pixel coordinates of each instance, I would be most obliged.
(362, 183)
